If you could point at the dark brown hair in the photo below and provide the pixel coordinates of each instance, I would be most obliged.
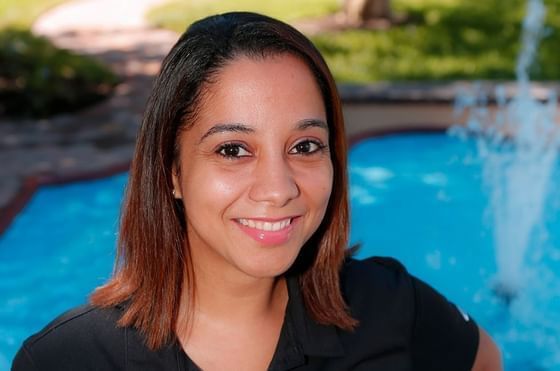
(153, 260)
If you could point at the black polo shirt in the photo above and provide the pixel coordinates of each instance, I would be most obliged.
(404, 325)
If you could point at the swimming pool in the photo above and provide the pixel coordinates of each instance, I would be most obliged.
(420, 198)
(417, 197)
(57, 250)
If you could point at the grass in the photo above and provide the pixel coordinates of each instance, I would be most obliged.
(440, 40)
(36, 78)
(22, 13)
(177, 15)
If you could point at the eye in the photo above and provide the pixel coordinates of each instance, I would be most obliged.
(307, 147)
(232, 150)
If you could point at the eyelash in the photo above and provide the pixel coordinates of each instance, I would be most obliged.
(224, 147)
(228, 146)
(320, 147)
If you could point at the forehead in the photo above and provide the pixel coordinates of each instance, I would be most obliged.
(280, 67)
(250, 87)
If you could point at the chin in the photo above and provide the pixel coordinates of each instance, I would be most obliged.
(268, 268)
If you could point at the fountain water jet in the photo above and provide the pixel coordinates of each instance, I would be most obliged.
(518, 146)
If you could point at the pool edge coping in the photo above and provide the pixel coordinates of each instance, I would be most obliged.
(32, 183)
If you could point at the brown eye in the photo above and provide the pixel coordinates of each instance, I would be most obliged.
(303, 147)
(232, 150)
(307, 147)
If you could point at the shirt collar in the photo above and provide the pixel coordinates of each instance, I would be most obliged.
(301, 336)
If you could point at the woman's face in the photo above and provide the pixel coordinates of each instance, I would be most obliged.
(254, 170)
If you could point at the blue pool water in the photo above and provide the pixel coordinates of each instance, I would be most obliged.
(57, 250)
(421, 198)
(417, 197)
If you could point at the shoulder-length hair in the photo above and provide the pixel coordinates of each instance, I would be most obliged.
(153, 263)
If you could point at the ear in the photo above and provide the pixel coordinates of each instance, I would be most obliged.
(175, 178)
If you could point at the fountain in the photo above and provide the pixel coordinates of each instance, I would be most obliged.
(517, 143)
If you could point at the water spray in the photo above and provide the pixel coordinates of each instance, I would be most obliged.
(518, 145)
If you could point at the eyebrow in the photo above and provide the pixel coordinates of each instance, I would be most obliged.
(240, 128)
(221, 128)
(312, 123)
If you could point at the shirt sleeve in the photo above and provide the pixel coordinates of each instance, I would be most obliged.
(443, 338)
(23, 361)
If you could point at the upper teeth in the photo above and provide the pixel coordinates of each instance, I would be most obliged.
(266, 226)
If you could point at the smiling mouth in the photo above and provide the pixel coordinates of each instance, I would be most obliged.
(266, 226)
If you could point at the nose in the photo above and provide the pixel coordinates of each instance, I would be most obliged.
(273, 182)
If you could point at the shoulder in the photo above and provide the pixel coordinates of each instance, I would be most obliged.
(373, 266)
(375, 278)
(81, 336)
(399, 311)
(77, 326)
(380, 295)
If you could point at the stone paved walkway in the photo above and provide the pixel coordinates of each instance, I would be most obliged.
(100, 137)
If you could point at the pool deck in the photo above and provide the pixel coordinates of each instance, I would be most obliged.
(99, 140)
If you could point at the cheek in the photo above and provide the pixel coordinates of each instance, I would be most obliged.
(318, 186)
(209, 190)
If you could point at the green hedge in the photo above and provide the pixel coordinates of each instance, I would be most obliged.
(37, 79)
(438, 40)
(444, 40)
(177, 15)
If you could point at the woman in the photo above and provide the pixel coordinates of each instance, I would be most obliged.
(232, 247)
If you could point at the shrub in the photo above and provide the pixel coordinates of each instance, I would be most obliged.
(177, 15)
(443, 40)
(37, 79)
(433, 40)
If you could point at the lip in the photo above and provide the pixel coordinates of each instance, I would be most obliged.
(269, 238)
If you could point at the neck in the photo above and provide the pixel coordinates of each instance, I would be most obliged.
(232, 298)
(219, 294)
